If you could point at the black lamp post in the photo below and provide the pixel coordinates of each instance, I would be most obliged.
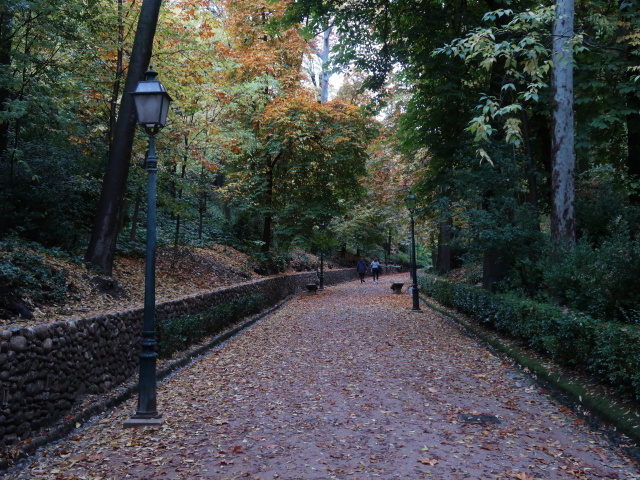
(410, 202)
(387, 252)
(321, 286)
(152, 105)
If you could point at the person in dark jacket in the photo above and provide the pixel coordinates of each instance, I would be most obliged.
(361, 268)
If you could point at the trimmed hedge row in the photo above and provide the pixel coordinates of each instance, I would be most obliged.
(608, 350)
(179, 333)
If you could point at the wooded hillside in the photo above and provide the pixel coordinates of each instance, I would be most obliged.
(524, 153)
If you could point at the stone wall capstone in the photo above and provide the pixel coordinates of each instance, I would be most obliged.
(45, 370)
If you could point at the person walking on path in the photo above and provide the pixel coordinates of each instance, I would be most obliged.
(375, 270)
(345, 387)
(361, 268)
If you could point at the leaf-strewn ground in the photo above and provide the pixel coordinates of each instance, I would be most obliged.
(179, 272)
(347, 384)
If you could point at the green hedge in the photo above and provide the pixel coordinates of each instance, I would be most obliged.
(178, 334)
(609, 350)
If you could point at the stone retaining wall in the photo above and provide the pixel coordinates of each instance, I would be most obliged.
(46, 369)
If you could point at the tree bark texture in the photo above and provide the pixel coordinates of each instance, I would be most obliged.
(104, 235)
(562, 144)
(324, 82)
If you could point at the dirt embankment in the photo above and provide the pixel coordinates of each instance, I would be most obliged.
(179, 272)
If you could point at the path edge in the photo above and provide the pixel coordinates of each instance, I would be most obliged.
(565, 388)
(128, 389)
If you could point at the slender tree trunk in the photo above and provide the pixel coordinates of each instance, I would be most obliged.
(268, 217)
(202, 208)
(201, 197)
(115, 93)
(324, 81)
(179, 217)
(25, 75)
(267, 235)
(629, 10)
(562, 144)
(6, 22)
(530, 168)
(104, 235)
(633, 143)
(136, 215)
(443, 264)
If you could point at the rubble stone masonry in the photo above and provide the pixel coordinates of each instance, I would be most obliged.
(47, 369)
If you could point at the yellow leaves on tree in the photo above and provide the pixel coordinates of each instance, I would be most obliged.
(259, 46)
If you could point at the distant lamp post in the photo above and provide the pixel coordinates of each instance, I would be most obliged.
(152, 105)
(321, 286)
(410, 203)
(387, 252)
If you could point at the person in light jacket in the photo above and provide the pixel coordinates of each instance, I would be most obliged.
(375, 270)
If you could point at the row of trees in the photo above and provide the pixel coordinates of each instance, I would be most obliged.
(490, 91)
(464, 106)
(254, 155)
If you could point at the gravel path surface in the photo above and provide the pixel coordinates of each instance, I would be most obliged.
(346, 384)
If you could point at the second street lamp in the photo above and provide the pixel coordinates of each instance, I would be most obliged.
(410, 203)
(152, 105)
(321, 277)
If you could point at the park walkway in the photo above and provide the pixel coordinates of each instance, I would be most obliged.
(346, 384)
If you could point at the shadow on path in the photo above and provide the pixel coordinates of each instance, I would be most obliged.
(346, 384)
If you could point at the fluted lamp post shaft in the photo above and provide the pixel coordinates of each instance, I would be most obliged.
(152, 106)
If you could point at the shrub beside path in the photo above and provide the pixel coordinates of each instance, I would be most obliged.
(346, 384)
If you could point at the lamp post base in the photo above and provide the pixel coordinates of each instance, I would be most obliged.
(143, 421)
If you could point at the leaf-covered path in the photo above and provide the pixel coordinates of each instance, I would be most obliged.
(346, 384)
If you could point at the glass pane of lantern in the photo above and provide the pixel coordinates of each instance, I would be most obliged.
(148, 108)
(164, 110)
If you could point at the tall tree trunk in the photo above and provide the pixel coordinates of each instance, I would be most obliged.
(136, 215)
(202, 209)
(628, 10)
(202, 201)
(324, 81)
(19, 94)
(562, 144)
(6, 22)
(179, 193)
(633, 143)
(268, 217)
(115, 93)
(443, 261)
(104, 235)
(530, 167)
